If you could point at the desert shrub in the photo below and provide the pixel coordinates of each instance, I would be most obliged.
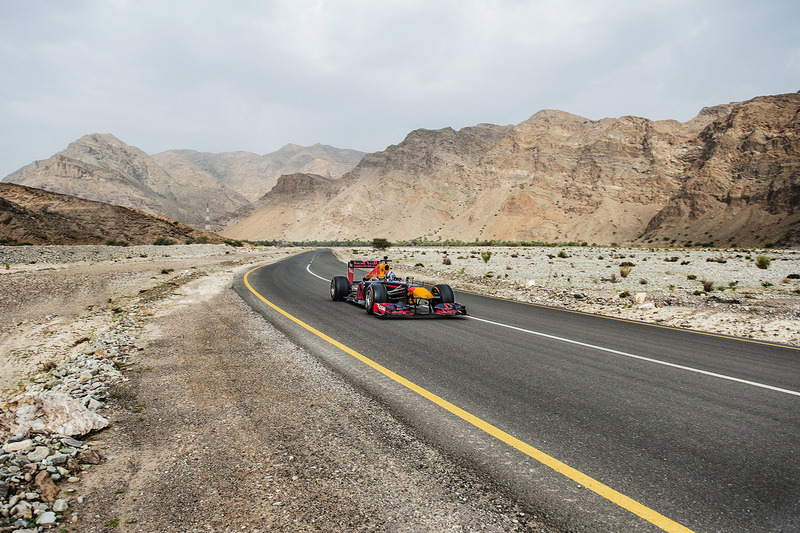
(625, 294)
(766, 284)
(446, 261)
(163, 241)
(419, 265)
(624, 271)
(486, 255)
(166, 270)
(691, 277)
(626, 264)
(708, 286)
(793, 276)
(685, 262)
(489, 275)
(671, 287)
(763, 262)
(671, 259)
(562, 254)
(642, 281)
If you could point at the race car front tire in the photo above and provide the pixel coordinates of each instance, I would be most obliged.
(443, 294)
(339, 288)
(376, 294)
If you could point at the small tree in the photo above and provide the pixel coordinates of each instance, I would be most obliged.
(486, 255)
(379, 243)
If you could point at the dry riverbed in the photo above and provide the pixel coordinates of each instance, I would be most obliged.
(218, 423)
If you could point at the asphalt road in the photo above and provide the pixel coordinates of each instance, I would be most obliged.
(676, 430)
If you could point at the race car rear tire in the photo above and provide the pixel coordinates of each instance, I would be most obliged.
(340, 287)
(443, 294)
(376, 294)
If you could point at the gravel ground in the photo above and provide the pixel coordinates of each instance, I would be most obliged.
(222, 424)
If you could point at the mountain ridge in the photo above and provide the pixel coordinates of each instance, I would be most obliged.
(35, 216)
(178, 184)
(561, 177)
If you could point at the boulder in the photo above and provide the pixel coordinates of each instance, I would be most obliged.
(49, 412)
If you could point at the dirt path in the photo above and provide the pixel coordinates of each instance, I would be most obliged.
(225, 425)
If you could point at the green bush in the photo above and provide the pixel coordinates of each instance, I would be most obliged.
(486, 255)
(625, 294)
(763, 262)
(163, 241)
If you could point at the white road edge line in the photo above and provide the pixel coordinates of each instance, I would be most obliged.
(640, 357)
(617, 352)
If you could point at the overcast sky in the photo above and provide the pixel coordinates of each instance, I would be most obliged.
(221, 76)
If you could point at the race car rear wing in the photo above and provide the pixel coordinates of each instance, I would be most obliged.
(377, 268)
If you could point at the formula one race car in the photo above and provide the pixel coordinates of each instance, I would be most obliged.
(384, 294)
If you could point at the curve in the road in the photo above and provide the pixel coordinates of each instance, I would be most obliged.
(599, 488)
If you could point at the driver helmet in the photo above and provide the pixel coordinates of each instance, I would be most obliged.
(391, 276)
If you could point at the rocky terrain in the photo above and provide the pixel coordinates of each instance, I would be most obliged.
(35, 216)
(729, 177)
(177, 184)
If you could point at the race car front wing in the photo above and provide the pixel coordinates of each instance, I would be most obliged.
(399, 309)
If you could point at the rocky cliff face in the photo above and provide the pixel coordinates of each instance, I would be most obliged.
(35, 216)
(742, 179)
(730, 175)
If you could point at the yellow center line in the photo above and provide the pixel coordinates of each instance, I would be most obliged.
(590, 483)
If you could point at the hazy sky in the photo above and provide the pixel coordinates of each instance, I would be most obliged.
(220, 76)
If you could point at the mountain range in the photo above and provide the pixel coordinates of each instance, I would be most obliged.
(178, 184)
(730, 176)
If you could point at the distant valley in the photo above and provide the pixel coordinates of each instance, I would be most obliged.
(728, 177)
